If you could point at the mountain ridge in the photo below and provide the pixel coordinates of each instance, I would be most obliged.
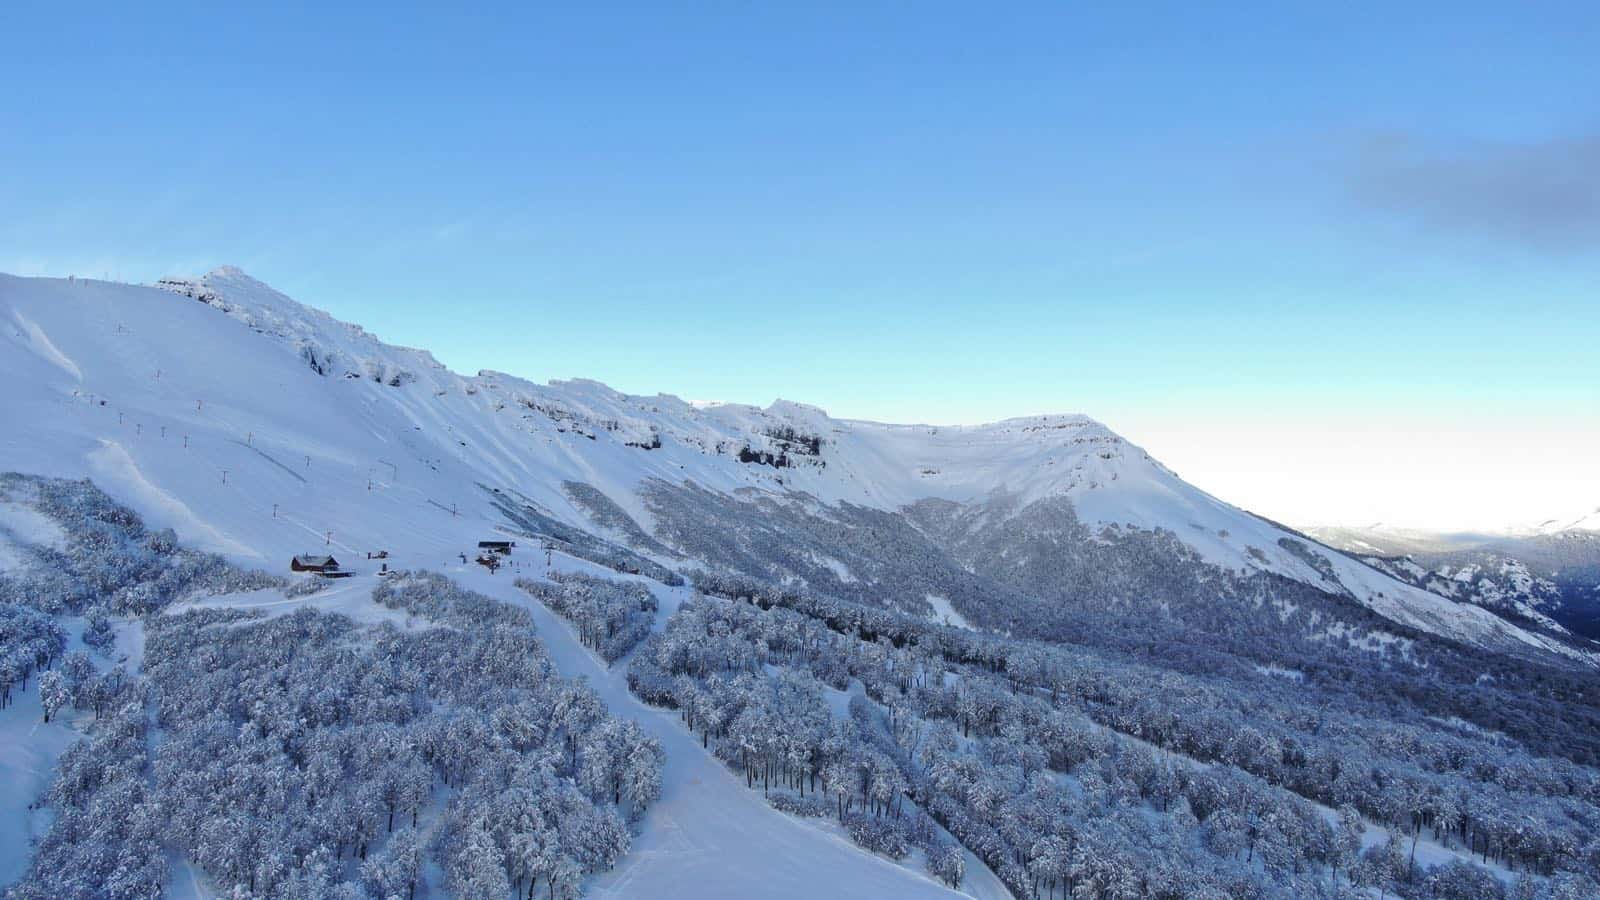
(402, 406)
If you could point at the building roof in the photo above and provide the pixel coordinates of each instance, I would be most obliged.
(308, 559)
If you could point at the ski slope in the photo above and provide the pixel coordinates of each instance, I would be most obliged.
(29, 748)
(707, 835)
(210, 403)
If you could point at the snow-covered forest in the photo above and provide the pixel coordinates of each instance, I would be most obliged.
(1107, 781)
(308, 755)
(612, 617)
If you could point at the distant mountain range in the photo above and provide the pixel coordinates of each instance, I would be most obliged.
(1545, 576)
(1586, 521)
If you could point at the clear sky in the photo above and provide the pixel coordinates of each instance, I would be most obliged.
(1336, 265)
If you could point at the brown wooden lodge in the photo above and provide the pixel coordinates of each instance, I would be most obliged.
(318, 564)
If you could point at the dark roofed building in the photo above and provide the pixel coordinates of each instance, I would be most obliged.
(501, 547)
(308, 562)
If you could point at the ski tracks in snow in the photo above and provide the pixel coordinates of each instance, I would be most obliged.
(708, 835)
(113, 463)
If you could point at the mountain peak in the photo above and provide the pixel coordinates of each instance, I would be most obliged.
(803, 412)
(329, 345)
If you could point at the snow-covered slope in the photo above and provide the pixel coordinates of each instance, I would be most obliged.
(1548, 575)
(258, 428)
(1493, 582)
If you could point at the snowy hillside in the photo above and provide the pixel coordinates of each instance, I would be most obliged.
(1546, 576)
(362, 445)
(988, 639)
(1493, 582)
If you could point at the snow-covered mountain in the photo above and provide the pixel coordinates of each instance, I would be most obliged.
(1546, 576)
(1589, 520)
(1495, 582)
(258, 427)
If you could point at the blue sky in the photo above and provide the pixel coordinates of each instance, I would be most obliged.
(1241, 236)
